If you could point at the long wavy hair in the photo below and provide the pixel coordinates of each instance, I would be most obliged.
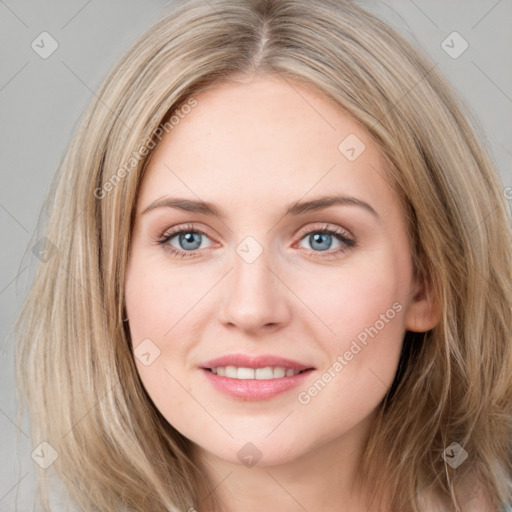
(75, 367)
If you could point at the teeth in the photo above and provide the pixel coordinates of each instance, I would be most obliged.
(231, 372)
(245, 373)
(279, 372)
(266, 373)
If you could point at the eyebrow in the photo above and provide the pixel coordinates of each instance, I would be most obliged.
(297, 208)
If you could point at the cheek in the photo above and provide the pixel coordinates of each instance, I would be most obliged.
(156, 299)
(160, 304)
(351, 299)
(360, 326)
(154, 305)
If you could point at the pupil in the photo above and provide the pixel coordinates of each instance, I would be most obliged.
(318, 238)
(189, 238)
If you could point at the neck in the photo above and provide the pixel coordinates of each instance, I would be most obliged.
(320, 478)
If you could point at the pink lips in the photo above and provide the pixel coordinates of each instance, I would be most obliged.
(254, 389)
(242, 360)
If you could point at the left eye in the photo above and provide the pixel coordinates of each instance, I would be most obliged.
(320, 239)
(189, 241)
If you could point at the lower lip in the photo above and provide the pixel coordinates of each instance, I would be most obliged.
(255, 389)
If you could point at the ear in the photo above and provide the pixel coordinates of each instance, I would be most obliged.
(424, 310)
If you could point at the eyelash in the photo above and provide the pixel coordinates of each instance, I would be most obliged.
(167, 235)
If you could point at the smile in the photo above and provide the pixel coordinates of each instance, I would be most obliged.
(266, 373)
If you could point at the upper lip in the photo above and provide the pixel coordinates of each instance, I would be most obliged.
(261, 361)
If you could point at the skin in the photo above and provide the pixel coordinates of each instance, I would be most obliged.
(252, 147)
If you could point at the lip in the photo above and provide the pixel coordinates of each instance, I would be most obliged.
(246, 361)
(254, 389)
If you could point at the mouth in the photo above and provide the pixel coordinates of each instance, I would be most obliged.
(249, 378)
(264, 373)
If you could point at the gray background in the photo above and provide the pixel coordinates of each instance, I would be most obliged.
(42, 99)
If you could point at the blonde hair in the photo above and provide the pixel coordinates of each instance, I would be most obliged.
(75, 369)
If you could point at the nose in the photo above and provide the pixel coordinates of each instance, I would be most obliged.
(256, 297)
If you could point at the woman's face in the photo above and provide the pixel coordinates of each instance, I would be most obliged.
(252, 176)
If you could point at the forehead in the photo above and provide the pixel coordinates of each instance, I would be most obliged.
(262, 142)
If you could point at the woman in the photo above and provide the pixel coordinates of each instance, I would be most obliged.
(257, 369)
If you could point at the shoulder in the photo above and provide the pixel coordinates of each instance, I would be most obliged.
(472, 496)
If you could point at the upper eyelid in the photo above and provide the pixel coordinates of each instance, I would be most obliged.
(176, 230)
(328, 226)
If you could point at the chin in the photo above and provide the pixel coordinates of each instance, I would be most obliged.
(254, 451)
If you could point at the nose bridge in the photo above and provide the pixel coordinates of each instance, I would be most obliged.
(252, 266)
(255, 297)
